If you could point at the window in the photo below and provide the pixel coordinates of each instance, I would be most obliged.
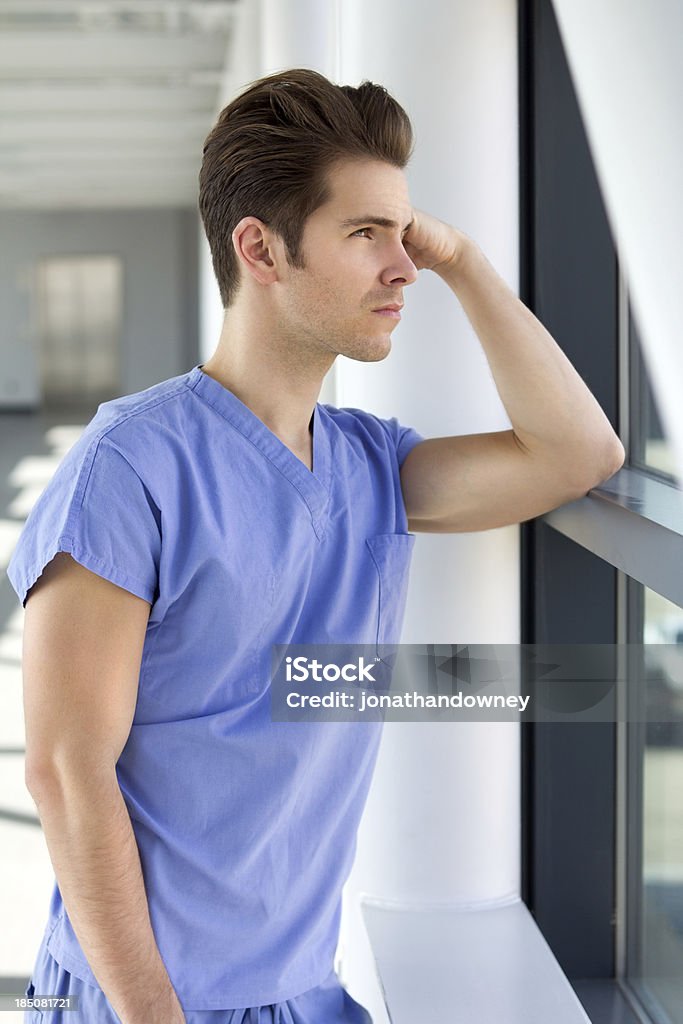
(654, 858)
(648, 449)
(602, 802)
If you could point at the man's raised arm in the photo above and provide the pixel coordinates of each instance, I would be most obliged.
(561, 443)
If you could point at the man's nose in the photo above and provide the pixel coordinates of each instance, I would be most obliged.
(404, 269)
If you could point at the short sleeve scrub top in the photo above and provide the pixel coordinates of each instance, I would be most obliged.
(246, 827)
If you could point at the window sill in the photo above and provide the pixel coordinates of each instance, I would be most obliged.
(633, 521)
(604, 1001)
(483, 965)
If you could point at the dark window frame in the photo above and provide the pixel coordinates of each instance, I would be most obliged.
(573, 589)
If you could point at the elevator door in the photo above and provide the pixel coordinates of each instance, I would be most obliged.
(79, 327)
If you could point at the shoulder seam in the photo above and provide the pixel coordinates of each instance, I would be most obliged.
(91, 451)
(149, 404)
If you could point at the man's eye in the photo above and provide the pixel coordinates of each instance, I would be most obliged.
(361, 229)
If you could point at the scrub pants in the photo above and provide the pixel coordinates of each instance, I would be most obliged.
(327, 1003)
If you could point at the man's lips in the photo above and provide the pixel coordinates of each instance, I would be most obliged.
(392, 310)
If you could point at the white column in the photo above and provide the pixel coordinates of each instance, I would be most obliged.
(299, 34)
(442, 824)
(210, 305)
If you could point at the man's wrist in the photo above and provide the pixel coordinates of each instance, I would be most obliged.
(151, 999)
(464, 251)
(165, 1010)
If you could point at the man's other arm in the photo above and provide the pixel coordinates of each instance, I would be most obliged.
(82, 648)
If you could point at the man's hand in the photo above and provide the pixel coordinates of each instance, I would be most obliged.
(431, 243)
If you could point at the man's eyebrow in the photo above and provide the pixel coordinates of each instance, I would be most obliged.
(381, 222)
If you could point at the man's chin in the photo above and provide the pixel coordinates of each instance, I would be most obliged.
(372, 352)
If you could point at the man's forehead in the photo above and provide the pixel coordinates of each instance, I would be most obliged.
(369, 192)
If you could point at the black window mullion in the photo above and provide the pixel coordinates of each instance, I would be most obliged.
(569, 279)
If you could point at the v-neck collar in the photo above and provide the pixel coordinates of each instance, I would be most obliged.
(313, 485)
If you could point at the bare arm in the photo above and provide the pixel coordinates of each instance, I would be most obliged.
(83, 639)
(553, 414)
(561, 444)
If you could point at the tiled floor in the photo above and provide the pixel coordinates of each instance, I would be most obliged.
(32, 445)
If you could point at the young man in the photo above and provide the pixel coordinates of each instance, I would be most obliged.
(199, 847)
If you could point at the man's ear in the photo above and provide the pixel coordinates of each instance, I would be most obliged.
(259, 250)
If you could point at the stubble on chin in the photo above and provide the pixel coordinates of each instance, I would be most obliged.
(370, 351)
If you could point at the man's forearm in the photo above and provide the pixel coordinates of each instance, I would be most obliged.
(549, 405)
(97, 865)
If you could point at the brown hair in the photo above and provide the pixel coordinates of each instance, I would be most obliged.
(268, 155)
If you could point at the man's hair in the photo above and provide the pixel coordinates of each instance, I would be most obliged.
(270, 150)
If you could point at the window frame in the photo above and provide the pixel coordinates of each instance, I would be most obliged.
(583, 566)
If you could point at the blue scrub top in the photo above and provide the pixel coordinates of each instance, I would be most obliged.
(246, 827)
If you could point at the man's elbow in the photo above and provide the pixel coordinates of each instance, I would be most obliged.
(60, 771)
(611, 462)
(615, 458)
(40, 780)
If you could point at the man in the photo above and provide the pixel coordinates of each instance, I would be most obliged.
(199, 847)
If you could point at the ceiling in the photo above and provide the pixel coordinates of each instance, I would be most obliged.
(106, 103)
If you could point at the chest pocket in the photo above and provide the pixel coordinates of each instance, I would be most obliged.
(34, 1016)
(391, 554)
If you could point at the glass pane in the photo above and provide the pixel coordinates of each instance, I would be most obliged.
(649, 448)
(656, 918)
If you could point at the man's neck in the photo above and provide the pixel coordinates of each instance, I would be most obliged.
(277, 376)
(281, 413)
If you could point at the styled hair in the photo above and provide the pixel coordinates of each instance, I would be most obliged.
(270, 150)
